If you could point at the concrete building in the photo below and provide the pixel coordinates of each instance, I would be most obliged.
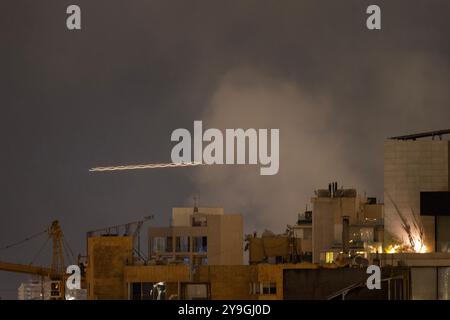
(341, 223)
(259, 282)
(429, 273)
(302, 231)
(295, 245)
(412, 167)
(76, 294)
(106, 260)
(34, 289)
(416, 167)
(198, 236)
(110, 275)
(345, 222)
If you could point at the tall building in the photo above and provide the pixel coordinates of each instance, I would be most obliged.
(107, 257)
(198, 236)
(343, 221)
(413, 165)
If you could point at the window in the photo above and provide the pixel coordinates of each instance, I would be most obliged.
(443, 283)
(329, 257)
(195, 291)
(269, 288)
(136, 288)
(423, 283)
(169, 244)
(266, 288)
(159, 244)
(147, 291)
(182, 244)
(366, 234)
(255, 288)
(199, 221)
(200, 244)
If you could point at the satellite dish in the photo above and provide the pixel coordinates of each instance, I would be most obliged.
(360, 261)
(342, 261)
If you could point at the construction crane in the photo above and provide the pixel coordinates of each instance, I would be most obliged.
(56, 273)
(127, 229)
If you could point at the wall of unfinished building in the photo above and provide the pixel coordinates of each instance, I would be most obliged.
(107, 258)
(225, 240)
(227, 282)
(409, 168)
(266, 247)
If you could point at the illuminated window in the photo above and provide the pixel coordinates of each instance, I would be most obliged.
(329, 257)
(366, 234)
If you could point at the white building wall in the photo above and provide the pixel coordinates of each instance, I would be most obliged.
(409, 168)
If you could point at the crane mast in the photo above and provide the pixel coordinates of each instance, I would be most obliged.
(56, 273)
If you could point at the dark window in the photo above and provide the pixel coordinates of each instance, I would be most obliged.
(136, 288)
(200, 244)
(142, 291)
(169, 244)
(435, 203)
(269, 288)
(182, 244)
(147, 290)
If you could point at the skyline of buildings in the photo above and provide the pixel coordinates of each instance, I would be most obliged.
(200, 254)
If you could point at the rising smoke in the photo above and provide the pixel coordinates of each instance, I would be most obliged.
(310, 154)
(321, 139)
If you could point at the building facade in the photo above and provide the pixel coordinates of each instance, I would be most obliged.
(198, 236)
(412, 167)
(345, 222)
(34, 289)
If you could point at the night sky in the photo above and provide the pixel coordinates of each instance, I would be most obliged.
(113, 92)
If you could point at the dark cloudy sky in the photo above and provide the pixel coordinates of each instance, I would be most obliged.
(113, 93)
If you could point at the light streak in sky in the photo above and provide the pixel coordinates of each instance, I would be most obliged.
(145, 166)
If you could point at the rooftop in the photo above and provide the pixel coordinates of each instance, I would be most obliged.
(432, 134)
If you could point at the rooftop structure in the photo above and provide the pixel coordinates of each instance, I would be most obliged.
(345, 222)
(198, 236)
